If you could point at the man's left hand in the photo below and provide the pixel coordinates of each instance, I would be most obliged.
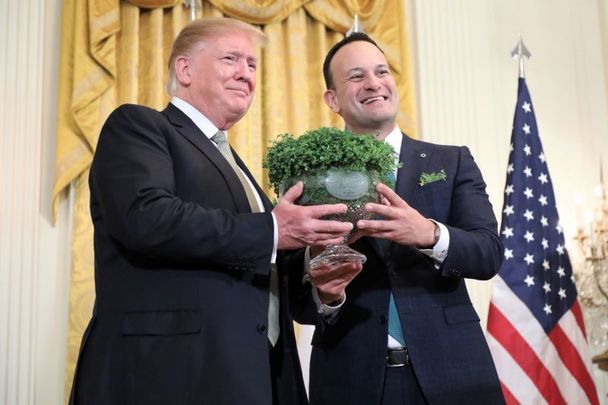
(331, 281)
(401, 223)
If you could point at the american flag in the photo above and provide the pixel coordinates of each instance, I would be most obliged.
(535, 324)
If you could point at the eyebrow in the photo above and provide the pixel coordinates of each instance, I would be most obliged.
(360, 69)
(241, 55)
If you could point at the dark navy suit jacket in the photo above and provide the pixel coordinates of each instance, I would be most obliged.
(448, 350)
(181, 274)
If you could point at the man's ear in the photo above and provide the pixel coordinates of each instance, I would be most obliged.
(182, 71)
(331, 100)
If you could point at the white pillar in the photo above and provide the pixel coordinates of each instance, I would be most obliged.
(34, 263)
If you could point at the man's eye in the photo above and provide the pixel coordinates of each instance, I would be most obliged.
(383, 73)
(229, 58)
(356, 77)
(253, 67)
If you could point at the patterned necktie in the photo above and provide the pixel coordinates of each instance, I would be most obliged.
(224, 147)
(273, 308)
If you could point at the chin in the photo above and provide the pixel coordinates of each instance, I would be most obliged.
(377, 116)
(239, 108)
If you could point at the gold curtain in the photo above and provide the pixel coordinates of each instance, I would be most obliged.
(115, 52)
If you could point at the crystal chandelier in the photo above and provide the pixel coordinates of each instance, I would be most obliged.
(591, 275)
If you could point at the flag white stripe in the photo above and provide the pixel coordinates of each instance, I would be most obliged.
(513, 377)
(531, 331)
(575, 334)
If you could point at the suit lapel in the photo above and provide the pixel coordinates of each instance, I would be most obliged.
(414, 160)
(193, 134)
(417, 158)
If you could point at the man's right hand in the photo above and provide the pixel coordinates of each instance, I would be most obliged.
(301, 226)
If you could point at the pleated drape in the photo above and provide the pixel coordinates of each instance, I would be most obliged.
(115, 52)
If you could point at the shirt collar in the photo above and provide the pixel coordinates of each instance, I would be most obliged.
(203, 123)
(394, 138)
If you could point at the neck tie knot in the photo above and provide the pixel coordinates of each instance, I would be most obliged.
(223, 146)
(221, 141)
(219, 137)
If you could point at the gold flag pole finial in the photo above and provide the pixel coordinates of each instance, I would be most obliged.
(356, 27)
(519, 52)
(193, 7)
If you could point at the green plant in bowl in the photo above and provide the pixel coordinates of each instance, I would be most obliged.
(335, 166)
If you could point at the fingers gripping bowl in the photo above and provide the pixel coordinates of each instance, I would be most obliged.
(335, 167)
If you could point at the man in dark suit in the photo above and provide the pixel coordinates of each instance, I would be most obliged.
(406, 332)
(186, 308)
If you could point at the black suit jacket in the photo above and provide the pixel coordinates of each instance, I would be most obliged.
(181, 274)
(448, 350)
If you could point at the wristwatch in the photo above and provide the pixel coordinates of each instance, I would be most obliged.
(437, 233)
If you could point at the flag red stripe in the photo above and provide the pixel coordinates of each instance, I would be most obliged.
(509, 398)
(578, 315)
(573, 361)
(508, 336)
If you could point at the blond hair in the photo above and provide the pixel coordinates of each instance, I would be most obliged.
(202, 30)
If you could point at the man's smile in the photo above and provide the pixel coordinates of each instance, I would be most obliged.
(373, 99)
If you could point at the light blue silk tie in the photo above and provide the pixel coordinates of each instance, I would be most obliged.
(394, 323)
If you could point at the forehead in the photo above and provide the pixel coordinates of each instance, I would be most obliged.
(233, 41)
(357, 55)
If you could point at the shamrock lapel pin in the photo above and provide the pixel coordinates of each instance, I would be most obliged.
(427, 178)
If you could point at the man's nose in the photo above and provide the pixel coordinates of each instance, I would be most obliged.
(372, 82)
(244, 72)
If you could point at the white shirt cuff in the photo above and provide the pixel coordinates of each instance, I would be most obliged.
(440, 251)
(329, 312)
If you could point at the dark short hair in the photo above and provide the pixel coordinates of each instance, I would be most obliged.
(355, 36)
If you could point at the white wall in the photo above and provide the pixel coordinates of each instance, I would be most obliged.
(467, 86)
(34, 266)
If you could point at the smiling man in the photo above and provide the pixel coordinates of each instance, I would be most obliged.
(190, 308)
(364, 93)
(407, 332)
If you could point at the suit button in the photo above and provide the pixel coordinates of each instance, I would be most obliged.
(383, 319)
(261, 328)
(454, 272)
